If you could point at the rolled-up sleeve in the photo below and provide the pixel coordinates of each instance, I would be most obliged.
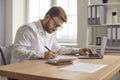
(22, 46)
(64, 50)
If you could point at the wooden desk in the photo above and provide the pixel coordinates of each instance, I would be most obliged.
(40, 70)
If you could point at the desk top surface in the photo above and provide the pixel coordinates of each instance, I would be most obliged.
(39, 69)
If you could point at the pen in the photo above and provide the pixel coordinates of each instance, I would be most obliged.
(47, 48)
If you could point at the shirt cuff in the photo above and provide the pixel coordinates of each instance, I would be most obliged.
(40, 55)
(76, 50)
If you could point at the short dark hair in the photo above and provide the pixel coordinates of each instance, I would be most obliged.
(57, 12)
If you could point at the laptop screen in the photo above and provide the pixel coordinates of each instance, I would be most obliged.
(103, 45)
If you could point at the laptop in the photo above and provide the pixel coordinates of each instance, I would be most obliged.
(98, 54)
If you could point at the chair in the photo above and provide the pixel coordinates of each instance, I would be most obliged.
(3, 57)
(6, 54)
(6, 57)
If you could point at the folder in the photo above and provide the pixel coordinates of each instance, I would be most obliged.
(93, 15)
(102, 13)
(118, 36)
(89, 15)
(113, 36)
(109, 36)
(98, 15)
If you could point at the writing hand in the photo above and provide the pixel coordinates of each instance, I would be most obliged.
(50, 54)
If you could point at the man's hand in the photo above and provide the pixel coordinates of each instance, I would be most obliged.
(86, 51)
(50, 54)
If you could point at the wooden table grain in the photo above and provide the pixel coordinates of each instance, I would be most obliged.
(40, 70)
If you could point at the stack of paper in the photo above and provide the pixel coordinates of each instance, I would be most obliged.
(84, 67)
(61, 59)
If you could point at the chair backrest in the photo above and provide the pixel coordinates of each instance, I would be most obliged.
(6, 54)
(2, 57)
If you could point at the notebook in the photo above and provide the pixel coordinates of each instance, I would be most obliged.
(97, 55)
(61, 59)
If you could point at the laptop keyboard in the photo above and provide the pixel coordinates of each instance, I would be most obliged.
(94, 55)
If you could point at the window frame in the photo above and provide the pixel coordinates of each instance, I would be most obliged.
(52, 4)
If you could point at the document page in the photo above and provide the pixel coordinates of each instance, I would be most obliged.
(84, 67)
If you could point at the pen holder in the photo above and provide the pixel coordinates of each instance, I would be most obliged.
(105, 1)
(114, 17)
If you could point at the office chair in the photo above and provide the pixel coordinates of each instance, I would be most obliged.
(2, 56)
(2, 63)
(6, 55)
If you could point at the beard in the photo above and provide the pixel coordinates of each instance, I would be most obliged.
(47, 28)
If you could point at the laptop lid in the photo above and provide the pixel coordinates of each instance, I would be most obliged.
(103, 45)
(98, 55)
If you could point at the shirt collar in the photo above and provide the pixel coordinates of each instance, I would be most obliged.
(39, 26)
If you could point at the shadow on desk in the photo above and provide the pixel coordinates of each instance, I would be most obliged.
(116, 76)
(117, 54)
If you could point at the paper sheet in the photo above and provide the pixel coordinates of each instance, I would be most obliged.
(84, 67)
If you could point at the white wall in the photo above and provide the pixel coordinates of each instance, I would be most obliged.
(82, 23)
(2, 22)
(8, 21)
(15, 17)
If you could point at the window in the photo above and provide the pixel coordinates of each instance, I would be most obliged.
(68, 34)
(37, 9)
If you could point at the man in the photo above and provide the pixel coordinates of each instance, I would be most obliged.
(37, 39)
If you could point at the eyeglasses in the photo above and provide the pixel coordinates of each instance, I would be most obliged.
(56, 24)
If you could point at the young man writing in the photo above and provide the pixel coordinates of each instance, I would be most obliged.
(37, 39)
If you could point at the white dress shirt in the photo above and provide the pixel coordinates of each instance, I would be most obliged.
(30, 42)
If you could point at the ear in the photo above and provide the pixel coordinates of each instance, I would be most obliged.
(47, 17)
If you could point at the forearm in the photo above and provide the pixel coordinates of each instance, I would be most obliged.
(24, 53)
(68, 50)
